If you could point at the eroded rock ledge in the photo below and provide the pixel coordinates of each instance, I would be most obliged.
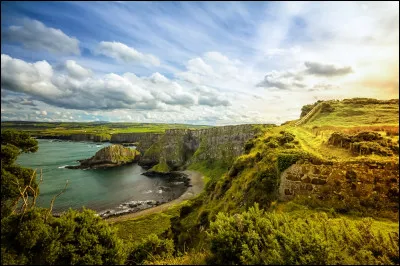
(111, 156)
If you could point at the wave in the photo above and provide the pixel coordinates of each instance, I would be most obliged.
(62, 166)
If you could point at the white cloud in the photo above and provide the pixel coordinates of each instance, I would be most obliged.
(35, 35)
(123, 53)
(76, 71)
(107, 92)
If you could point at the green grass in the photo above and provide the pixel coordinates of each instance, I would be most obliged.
(62, 128)
(140, 228)
(211, 171)
(233, 188)
(350, 115)
(161, 167)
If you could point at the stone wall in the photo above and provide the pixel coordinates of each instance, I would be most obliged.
(340, 180)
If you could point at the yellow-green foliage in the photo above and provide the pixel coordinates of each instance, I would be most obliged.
(161, 167)
(255, 176)
(103, 130)
(256, 237)
(353, 112)
(292, 233)
(74, 238)
(138, 229)
(149, 249)
(189, 258)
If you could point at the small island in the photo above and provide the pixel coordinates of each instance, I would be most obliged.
(111, 156)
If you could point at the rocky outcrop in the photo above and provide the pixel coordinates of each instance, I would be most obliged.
(111, 156)
(179, 147)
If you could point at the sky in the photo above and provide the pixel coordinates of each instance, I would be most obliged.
(209, 63)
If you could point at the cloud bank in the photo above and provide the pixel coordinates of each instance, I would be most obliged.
(35, 35)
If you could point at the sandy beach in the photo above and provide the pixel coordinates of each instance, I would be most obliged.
(197, 182)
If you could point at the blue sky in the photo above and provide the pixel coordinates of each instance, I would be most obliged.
(199, 62)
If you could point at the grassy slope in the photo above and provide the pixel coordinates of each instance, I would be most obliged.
(235, 192)
(61, 128)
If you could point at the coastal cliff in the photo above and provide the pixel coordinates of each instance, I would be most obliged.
(111, 156)
(178, 148)
(78, 137)
(143, 140)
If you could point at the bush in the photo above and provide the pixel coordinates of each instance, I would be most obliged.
(307, 108)
(255, 237)
(285, 138)
(248, 146)
(326, 108)
(203, 218)
(150, 249)
(74, 238)
(239, 165)
(285, 160)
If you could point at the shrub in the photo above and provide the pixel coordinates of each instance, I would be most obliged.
(74, 238)
(307, 108)
(150, 249)
(285, 160)
(239, 165)
(255, 237)
(248, 146)
(326, 108)
(285, 138)
(203, 218)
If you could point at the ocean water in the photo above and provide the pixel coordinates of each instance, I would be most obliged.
(97, 189)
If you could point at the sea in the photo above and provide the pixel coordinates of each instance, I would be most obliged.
(109, 191)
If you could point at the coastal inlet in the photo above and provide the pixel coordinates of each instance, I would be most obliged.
(109, 191)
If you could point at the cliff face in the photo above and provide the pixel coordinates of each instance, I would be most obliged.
(180, 147)
(111, 156)
(78, 137)
(143, 140)
(343, 182)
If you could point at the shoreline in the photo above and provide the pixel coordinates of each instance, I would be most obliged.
(197, 186)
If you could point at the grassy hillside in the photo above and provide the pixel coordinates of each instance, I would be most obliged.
(68, 128)
(350, 132)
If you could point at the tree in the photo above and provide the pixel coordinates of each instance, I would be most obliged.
(74, 238)
(34, 236)
(14, 177)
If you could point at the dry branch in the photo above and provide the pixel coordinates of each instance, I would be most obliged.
(54, 198)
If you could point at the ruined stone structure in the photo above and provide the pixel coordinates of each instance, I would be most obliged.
(358, 179)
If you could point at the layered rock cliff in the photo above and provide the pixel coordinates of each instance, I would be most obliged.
(78, 137)
(111, 156)
(143, 140)
(179, 147)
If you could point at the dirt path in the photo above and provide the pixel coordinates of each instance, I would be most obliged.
(197, 182)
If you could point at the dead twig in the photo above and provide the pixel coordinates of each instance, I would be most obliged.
(54, 198)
